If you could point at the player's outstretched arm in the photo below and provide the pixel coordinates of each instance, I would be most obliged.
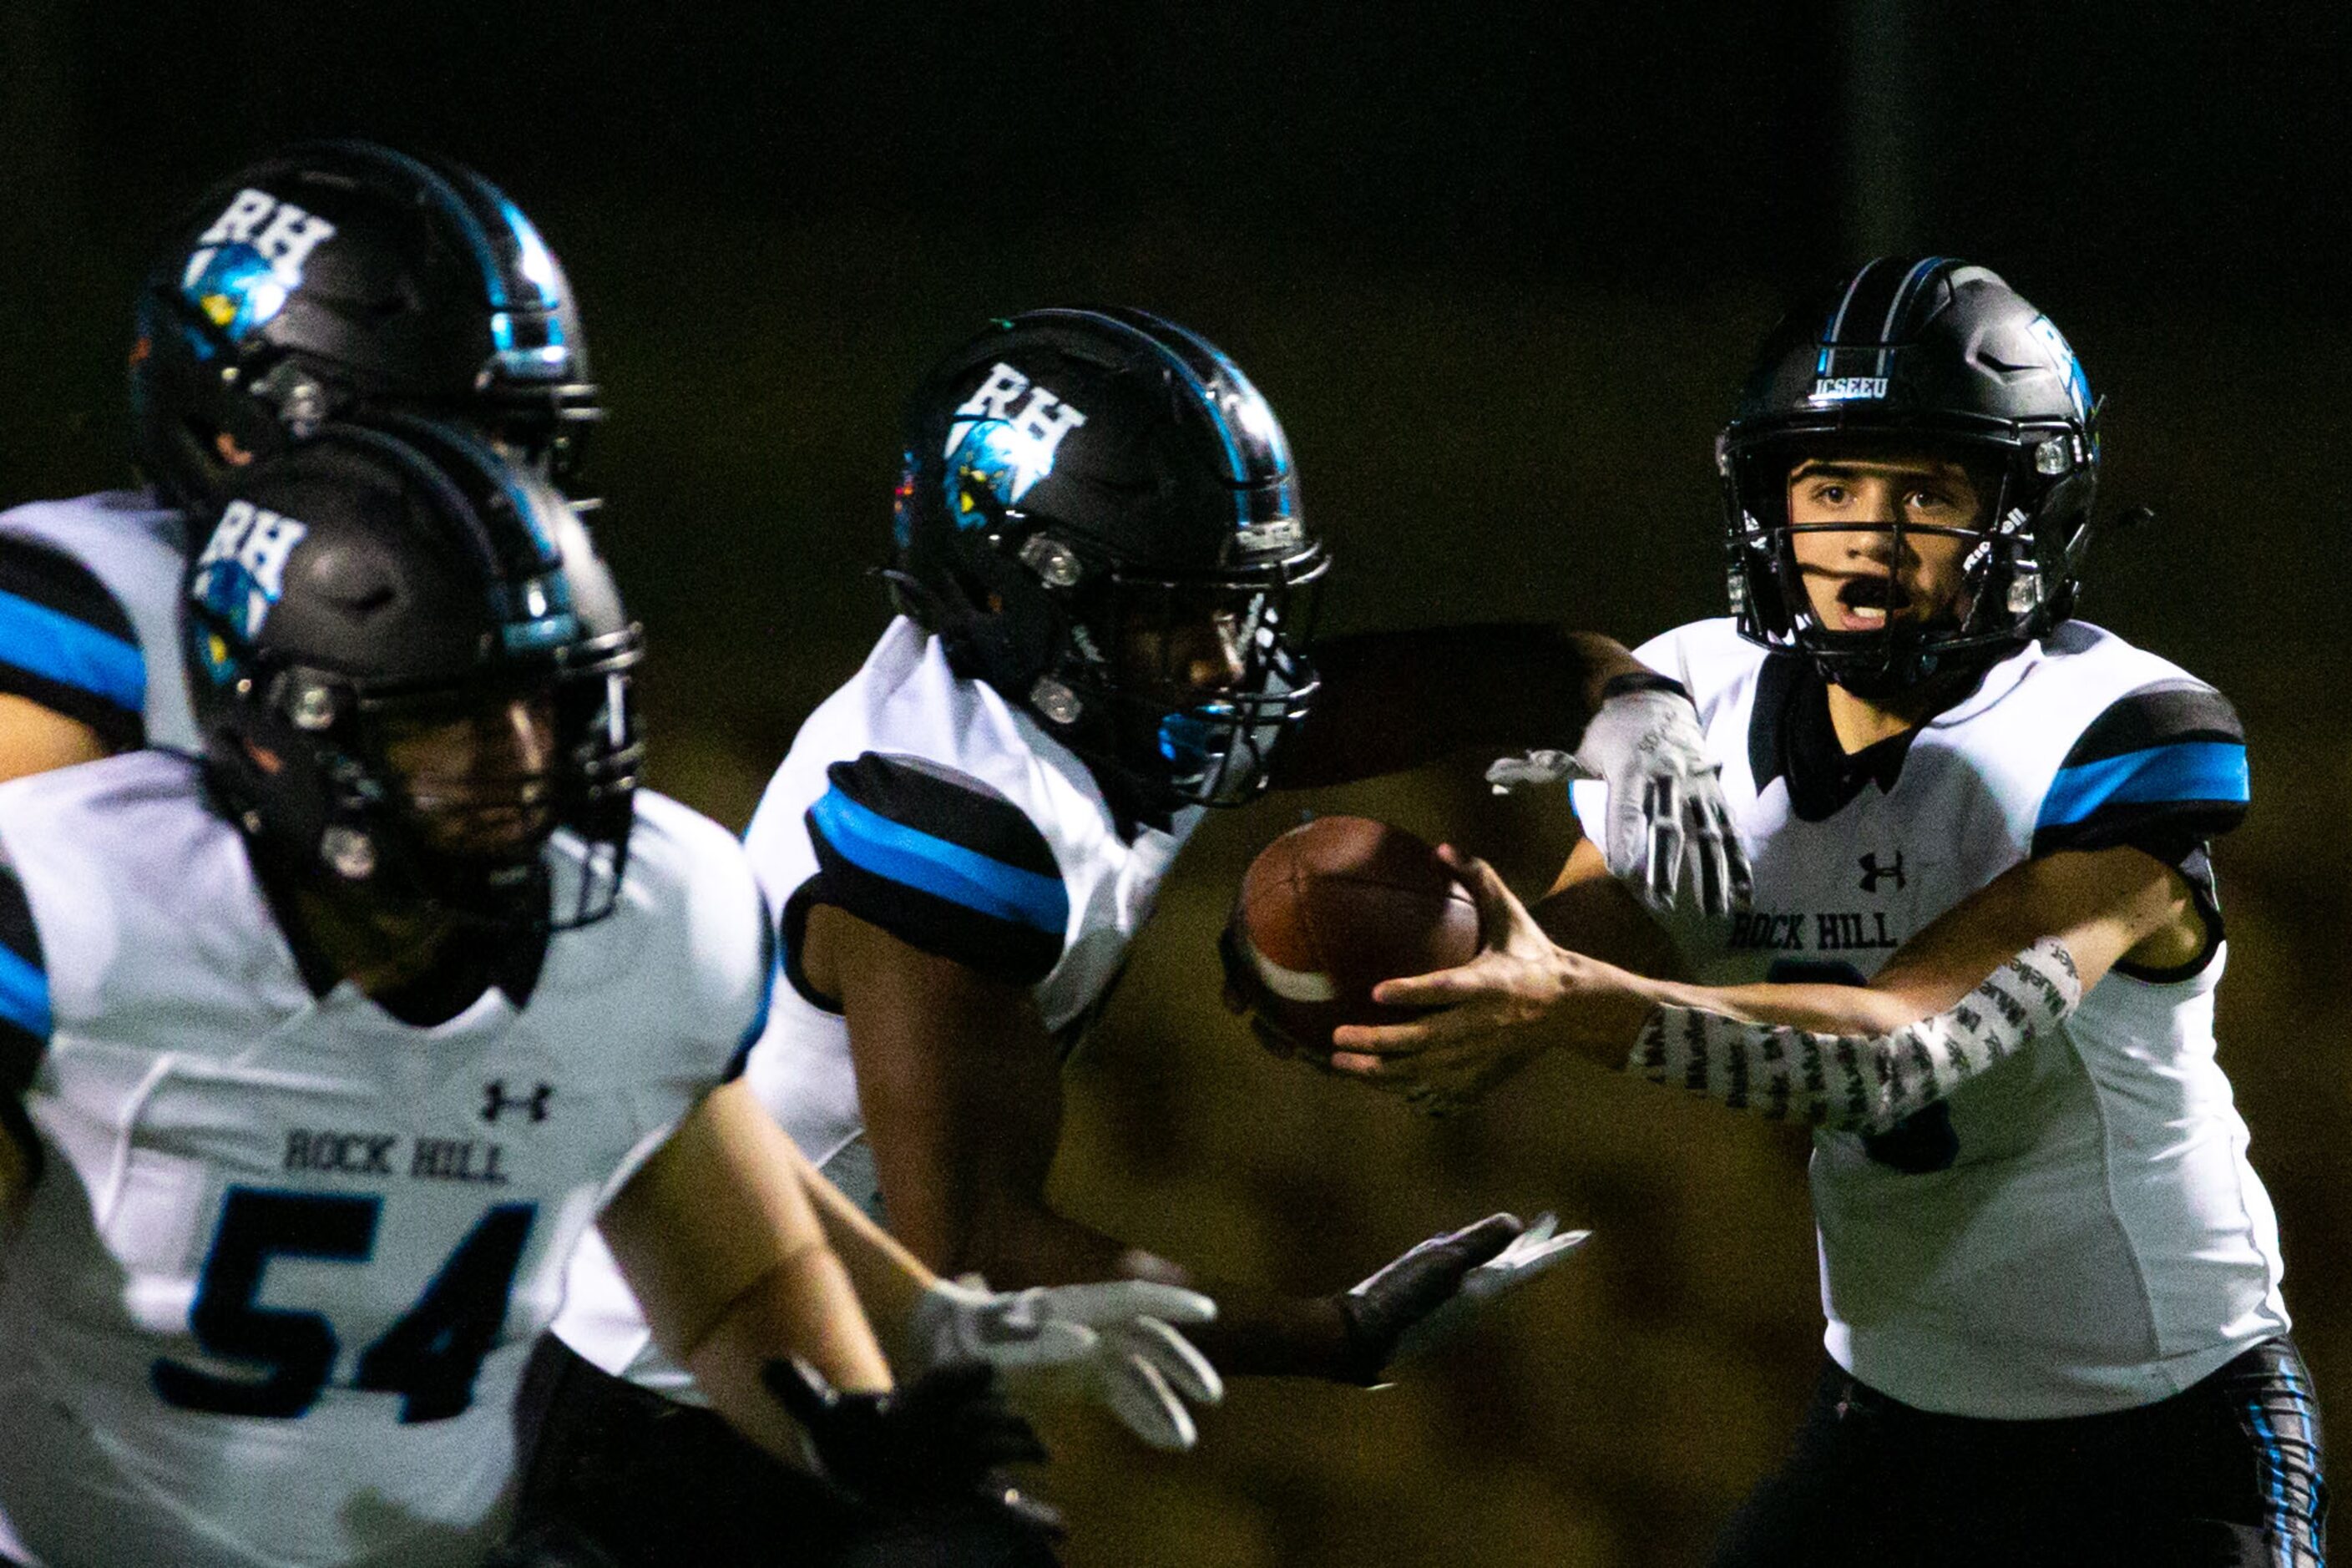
(1578, 704)
(716, 1237)
(961, 1089)
(2081, 912)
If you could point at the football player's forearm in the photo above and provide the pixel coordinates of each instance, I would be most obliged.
(1863, 1081)
(1395, 701)
(802, 1307)
(889, 1278)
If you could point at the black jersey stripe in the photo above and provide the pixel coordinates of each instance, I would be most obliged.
(25, 1019)
(40, 571)
(67, 644)
(1007, 948)
(2158, 715)
(943, 804)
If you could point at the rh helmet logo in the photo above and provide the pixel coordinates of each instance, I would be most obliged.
(241, 576)
(250, 259)
(995, 449)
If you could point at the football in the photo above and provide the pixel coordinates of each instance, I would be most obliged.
(1329, 910)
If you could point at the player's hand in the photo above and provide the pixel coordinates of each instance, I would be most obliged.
(1245, 994)
(1519, 997)
(1667, 821)
(932, 1449)
(1433, 1287)
(1111, 1342)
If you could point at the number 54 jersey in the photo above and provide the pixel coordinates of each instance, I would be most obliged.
(284, 1255)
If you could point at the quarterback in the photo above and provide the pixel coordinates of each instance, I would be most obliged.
(327, 1044)
(1105, 580)
(1981, 963)
(324, 280)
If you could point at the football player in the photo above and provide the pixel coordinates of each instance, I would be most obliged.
(1105, 586)
(1980, 963)
(322, 281)
(325, 1044)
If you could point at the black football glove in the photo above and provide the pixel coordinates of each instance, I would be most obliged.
(928, 1450)
(1245, 994)
(1378, 1310)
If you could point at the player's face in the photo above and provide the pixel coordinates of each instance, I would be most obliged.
(1188, 643)
(1859, 572)
(478, 771)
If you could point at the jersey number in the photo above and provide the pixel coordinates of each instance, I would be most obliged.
(430, 1358)
(1920, 1143)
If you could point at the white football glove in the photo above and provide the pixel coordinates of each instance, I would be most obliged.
(1531, 1252)
(1665, 804)
(1110, 1342)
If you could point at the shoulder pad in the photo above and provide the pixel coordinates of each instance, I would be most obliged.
(67, 644)
(940, 861)
(2163, 767)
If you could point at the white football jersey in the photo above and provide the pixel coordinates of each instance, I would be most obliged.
(925, 803)
(287, 1255)
(2078, 1230)
(89, 616)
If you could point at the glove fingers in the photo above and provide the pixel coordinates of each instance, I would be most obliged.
(1176, 1359)
(1147, 1406)
(1112, 1302)
(1666, 842)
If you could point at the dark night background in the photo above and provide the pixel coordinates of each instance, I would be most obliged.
(1499, 267)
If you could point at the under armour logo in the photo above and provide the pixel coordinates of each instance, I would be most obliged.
(496, 1099)
(1872, 872)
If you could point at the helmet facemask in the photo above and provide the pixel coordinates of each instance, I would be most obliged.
(1200, 679)
(2016, 570)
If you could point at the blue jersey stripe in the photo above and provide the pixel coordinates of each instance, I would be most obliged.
(23, 995)
(944, 870)
(2185, 770)
(72, 653)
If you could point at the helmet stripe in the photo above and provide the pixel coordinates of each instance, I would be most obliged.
(1918, 274)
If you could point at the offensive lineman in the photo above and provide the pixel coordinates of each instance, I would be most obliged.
(324, 280)
(1981, 962)
(1105, 585)
(325, 1047)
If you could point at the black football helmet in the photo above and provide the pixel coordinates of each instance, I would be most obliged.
(336, 277)
(1089, 498)
(1918, 354)
(374, 580)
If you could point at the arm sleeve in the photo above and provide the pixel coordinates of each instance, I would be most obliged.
(25, 1022)
(67, 644)
(1861, 1083)
(940, 861)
